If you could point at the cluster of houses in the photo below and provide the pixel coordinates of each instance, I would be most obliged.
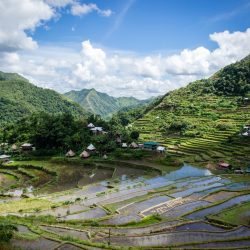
(245, 131)
(226, 166)
(26, 147)
(91, 149)
(96, 130)
(85, 153)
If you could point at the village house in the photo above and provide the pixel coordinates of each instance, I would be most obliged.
(91, 148)
(14, 147)
(26, 147)
(85, 154)
(161, 149)
(238, 171)
(133, 145)
(124, 145)
(97, 130)
(4, 158)
(91, 125)
(150, 145)
(224, 165)
(70, 153)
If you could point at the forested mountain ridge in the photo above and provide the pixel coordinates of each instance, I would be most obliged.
(18, 98)
(101, 103)
(204, 119)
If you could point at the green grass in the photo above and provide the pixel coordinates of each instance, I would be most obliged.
(237, 215)
(25, 205)
(146, 221)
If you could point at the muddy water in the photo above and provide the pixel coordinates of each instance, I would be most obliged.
(121, 219)
(68, 246)
(183, 209)
(38, 244)
(198, 226)
(201, 214)
(67, 232)
(87, 215)
(148, 229)
(23, 229)
(179, 238)
(241, 244)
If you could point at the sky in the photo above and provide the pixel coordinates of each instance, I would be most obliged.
(139, 48)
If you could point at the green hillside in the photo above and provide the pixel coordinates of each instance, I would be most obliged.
(18, 98)
(102, 104)
(203, 120)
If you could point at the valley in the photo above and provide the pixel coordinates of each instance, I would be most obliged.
(174, 174)
(135, 206)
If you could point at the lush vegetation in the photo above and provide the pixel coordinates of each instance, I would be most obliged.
(19, 98)
(202, 121)
(102, 104)
(53, 134)
(7, 230)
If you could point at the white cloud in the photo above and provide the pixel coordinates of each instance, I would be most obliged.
(78, 9)
(122, 73)
(17, 17)
(59, 3)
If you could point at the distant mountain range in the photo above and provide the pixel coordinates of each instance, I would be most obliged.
(102, 104)
(18, 98)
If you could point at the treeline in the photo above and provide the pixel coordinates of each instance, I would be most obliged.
(18, 98)
(60, 132)
(232, 80)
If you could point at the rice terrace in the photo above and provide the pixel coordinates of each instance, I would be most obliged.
(124, 124)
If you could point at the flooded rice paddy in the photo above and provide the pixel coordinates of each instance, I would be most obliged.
(139, 208)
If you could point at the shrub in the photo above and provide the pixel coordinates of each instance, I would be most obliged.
(6, 231)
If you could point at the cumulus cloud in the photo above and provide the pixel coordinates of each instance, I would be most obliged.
(59, 3)
(78, 9)
(17, 17)
(123, 73)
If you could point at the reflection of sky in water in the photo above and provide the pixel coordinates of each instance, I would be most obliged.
(184, 172)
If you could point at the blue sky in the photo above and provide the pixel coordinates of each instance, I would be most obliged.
(149, 25)
(138, 48)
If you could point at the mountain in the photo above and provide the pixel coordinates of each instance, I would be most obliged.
(102, 104)
(18, 97)
(202, 121)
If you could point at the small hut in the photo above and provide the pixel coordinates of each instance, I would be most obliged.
(224, 165)
(91, 148)
(246, 133)
(4, 158)
(133, 145)
(70, 153)
(85, 154)
(14, 147)
(161, 149)
(150, 145)
(26, 147)
(97, 130)
(91, 125)
(124, 145)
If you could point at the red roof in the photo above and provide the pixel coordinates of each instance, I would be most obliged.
(224, 164)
